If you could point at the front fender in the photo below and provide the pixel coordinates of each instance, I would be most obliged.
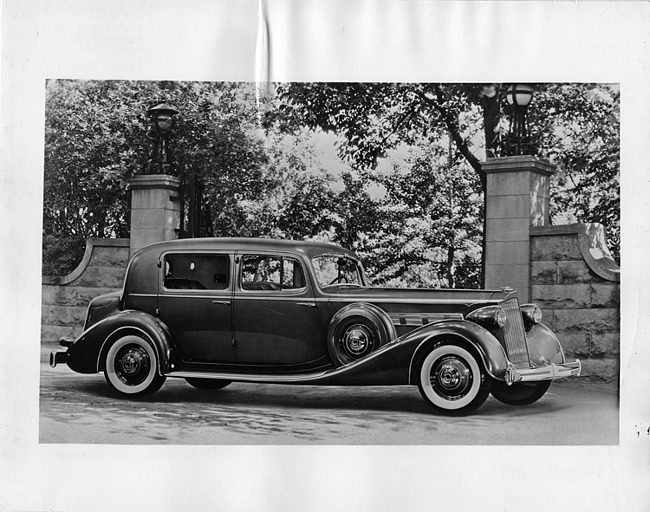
(86, 355)
(543, 346)
(486, 345)
(397, 362)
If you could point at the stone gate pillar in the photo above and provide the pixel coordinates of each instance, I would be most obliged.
(155, 209)
(517, 198)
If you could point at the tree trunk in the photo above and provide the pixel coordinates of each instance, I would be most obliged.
(450, 267)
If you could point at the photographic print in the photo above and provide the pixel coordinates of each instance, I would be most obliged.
(323, 255)
(360, 240)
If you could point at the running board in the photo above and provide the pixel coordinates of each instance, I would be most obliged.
(245, 377)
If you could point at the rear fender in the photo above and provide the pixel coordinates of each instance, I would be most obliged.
(103, 307)
(88, 352)
(464, 333)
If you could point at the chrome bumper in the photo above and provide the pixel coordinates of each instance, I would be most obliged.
(60, 357)
(548, 372)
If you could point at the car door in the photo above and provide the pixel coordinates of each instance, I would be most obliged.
(276, 319)
(195, 302)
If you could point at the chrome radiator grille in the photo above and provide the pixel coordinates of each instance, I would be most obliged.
(514, 334)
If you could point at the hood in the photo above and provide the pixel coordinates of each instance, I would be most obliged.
(467, 297)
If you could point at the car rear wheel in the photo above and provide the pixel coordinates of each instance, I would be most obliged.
(207, 383)
(520, 393)
(131, 367)
(452, 380)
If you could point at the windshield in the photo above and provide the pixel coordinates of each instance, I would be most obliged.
(333, 269)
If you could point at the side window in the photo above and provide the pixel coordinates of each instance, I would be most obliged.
(262, 272)
(197, 271)
(293, 278)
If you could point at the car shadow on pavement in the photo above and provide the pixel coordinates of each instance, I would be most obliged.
(403, 399)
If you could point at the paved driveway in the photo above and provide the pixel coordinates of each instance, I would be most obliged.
(78, 408)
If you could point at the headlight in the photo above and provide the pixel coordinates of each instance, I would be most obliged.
(532, 315)
(490, 317)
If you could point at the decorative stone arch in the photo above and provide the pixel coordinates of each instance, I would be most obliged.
(155, 216)
(98, 251)
(66, 298)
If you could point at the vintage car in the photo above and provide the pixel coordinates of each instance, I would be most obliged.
(215, 311)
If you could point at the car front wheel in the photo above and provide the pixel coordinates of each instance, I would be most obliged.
(131, 367)
(520, 393)
(452, 380)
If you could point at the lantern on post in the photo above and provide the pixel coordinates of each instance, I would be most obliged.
(518, 97)
(162, 122)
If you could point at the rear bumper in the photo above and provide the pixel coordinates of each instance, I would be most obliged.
(548, 372)
(61, 357)
(58, 358)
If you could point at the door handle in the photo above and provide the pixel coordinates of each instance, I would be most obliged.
(307, 304)
(223, 302)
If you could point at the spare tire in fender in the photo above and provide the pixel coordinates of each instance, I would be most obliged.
(357, 330)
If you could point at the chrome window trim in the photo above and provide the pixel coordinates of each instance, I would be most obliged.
(285, 292)
(322, 289)
(184, 295)
(193, 293)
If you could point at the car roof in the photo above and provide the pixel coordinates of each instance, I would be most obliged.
(309, 249)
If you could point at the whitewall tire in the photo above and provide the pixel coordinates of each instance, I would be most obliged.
(131, 367)
(452, 380)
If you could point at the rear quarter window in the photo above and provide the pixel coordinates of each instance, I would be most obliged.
(196, 271)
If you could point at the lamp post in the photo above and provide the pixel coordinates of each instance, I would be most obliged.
(518, 97)
(162, 122)
(156, 195)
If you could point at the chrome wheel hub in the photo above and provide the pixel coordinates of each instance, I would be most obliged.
(132, 365)
(357, 340)
(451, 377)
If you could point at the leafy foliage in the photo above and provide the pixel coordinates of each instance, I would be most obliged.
(409, 199)
(426, 224)
(578, 128)
(97, 137)
(374, 118)
(576, 125)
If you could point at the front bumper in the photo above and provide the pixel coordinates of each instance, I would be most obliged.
(548, 372)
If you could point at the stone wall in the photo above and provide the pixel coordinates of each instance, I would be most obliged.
(65, 299)
(573, 279)
(577, 284)
(517, 196)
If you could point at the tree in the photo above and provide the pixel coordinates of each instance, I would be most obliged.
(577, 125)
(578, 129)
(252, 160)
(90, 144)
(299, 199)
(373, 118)
(97, 137)
(426, 223)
